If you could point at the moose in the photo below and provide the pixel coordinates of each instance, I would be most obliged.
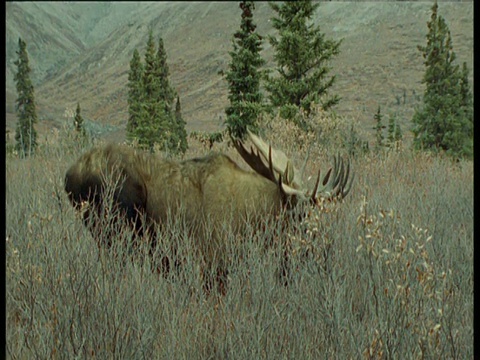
(206, 192)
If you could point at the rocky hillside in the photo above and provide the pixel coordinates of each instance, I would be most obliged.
(80, 52)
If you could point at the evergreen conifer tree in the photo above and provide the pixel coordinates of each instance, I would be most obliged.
(181, 132)
(152, 126)
(166, 92)
(177, 141)
(150, 99)
(445, 121)
(151, 78)
(154, 122)
(78, 121)
(135, 94)
(378, 129)
(244, 76)
(25, 135)
(301, 53)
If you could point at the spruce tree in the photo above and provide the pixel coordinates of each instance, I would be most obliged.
(151, 128)
(78, 121)
(176, 125)
(180, 131)
(244, 76)
(154, 123)
(166, 92)
(445, 121)
(25, 135)
(302, 54)
(151, 78)
(150, 99)
(135, 94)
(378, 129)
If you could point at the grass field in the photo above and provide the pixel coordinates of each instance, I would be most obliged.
(387, 273)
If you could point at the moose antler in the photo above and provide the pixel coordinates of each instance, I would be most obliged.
(336, 185)
(276, 166)
(281, 163)
(268, 163)
(255, 161)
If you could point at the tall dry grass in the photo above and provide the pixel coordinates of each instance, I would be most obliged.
(387, 273)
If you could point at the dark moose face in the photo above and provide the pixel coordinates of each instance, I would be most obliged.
(129, 199)
(82, 189)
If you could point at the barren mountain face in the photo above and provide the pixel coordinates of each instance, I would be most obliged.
(80, 52)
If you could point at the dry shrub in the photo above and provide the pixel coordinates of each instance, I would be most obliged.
(327, 131)
(387, 273)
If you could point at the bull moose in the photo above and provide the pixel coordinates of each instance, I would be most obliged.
(205, 192)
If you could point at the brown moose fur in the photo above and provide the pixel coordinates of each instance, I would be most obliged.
(207, 192)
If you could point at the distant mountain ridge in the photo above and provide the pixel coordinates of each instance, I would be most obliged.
(80, 52)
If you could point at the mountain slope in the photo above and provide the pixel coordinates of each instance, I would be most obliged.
(81, 54)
